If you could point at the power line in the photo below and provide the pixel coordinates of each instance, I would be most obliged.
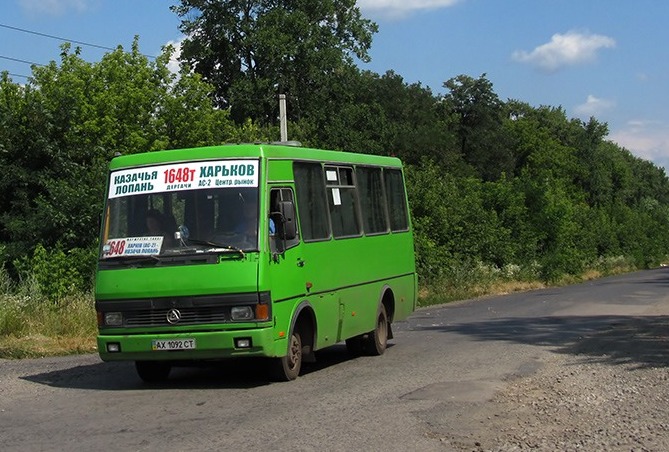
(37, 33)
(20, 61)
(17, 75)
(55, 37)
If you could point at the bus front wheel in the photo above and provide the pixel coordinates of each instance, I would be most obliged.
(288, 367)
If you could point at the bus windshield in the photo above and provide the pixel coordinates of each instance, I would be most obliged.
(176, 217)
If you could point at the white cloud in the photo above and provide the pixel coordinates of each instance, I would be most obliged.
(646, 139)
(55, 7)
(173, 64)
(397, 9)
(566, 49)
(593, 106)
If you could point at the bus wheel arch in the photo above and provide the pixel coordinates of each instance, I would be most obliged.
(300, 347)
(376, 341)
(304, 321)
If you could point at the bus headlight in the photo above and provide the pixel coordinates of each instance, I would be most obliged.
(241, 313)
(113, 318)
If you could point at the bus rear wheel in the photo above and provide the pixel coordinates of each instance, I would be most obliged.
(153, 371)
(376, 341)
(288, 367)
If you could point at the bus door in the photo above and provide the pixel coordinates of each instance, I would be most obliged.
(286, 268)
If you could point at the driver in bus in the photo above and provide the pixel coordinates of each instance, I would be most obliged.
(154, 223)
(155, 227)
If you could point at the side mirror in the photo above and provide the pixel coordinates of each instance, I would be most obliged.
(284, 220)
(287, 209)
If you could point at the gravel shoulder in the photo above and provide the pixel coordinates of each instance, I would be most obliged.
(608, 391)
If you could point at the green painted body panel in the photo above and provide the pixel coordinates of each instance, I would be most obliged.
(347, 278)
(226, 277)
(341, 280)
(279, 171)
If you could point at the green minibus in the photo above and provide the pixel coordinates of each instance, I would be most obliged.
(258, 250)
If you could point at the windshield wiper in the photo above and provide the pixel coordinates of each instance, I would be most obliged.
(217, 247)
(127, 259)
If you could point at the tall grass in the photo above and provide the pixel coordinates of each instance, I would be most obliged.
(32, 325)
(477, 279)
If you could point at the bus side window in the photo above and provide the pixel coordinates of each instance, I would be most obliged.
(342, 202)
(312, 201)
(397, 204)
(372, 200)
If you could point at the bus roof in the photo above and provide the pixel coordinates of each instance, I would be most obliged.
(268, 151)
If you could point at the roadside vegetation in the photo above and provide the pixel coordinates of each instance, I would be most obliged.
(49, 310)
(504, 196)
(33, 325)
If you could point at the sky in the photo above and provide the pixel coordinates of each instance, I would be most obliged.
(607, 59)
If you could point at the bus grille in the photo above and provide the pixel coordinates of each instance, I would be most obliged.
(188, 316)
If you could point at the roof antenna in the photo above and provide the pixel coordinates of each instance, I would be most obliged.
(283, 125)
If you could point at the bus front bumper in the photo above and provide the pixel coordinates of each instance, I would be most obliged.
(187, 346)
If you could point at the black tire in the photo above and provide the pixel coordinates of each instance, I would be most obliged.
(355, 345)
(288, 367)
(153, 371)
(376, 341)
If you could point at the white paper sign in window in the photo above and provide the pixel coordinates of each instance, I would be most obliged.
(132, 246)
(336, 197)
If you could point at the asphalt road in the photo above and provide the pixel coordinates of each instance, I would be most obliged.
(445, 363)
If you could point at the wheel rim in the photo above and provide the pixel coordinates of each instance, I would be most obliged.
(294, 353)
(382, 330)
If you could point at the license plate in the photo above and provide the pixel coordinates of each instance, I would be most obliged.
(173, 344)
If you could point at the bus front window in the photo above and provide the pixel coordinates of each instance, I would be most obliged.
(181, 222)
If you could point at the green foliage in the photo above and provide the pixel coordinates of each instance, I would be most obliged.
(444, 208)
(366, 112)
(58, 273)
(58, 132)
(253, 50)
(474, 114)
(32, 326)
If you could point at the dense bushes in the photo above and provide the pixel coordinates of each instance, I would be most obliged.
(57, 273)
(527, 223)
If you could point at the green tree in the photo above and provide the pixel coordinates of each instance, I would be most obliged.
(25, 149)
(474, 112)
(453, 225)
(251, 50)
(361, 111)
